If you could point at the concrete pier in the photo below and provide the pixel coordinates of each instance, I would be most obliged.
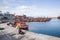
(10, 33)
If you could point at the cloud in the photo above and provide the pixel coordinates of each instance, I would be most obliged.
(33, 11)
(36, 11)
(15, 6)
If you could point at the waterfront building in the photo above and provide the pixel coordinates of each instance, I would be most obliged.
(1, 15)
(9, 16)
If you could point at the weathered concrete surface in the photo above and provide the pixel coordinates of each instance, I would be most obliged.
(11, 33)
(35, 36)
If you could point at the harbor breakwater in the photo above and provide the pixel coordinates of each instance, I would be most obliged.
(10, 33)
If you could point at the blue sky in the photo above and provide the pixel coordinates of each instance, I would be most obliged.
(34, 8)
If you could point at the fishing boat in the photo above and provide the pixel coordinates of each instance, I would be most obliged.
(24, 26)
(58, 17)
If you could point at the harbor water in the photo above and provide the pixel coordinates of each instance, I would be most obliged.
(49, 28)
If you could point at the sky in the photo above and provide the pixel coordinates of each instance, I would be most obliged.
(34, 8)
